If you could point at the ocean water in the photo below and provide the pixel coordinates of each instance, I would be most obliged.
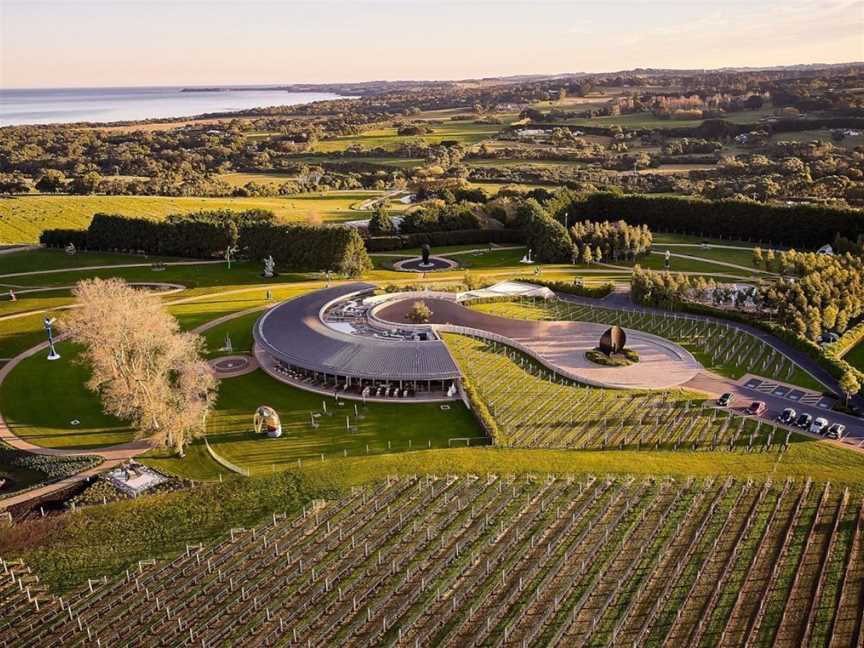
(64, 105)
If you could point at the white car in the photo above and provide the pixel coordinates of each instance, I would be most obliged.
(819, 426)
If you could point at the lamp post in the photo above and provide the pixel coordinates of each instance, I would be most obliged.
(52, 352)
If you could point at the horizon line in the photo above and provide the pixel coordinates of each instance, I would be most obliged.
(277, 85)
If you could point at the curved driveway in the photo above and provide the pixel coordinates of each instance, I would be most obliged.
(563, 345)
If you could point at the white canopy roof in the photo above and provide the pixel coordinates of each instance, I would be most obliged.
(509, 289)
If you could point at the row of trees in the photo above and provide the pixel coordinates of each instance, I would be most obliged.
(825, 294)
(794, 225)
(254, 234)
(615, 241)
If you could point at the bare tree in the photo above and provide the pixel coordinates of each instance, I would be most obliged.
(145, 370)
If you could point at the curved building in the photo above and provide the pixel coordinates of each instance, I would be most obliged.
(324, 341)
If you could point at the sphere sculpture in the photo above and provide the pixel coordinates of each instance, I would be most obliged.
(613, 340)
(266, 420)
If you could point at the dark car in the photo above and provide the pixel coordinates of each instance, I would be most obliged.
(787, 416)
(725, 399)
(803, 421)
(757, 408)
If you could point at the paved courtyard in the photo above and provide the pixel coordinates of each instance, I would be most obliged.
(563, 345)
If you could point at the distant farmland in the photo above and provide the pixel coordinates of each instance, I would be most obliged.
(22, 219)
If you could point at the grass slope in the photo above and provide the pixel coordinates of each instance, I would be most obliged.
(23, 218)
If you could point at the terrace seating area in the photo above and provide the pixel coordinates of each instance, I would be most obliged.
(362, 388)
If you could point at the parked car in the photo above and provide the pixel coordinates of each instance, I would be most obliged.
(725, 399)
(787, 416)
(819, 426)
(836, 431)
(803, 421)
(757, 408)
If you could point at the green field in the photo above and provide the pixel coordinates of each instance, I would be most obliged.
(647, 120)
(464, 132)
(23, 218)
(855, 356)
(383, 428)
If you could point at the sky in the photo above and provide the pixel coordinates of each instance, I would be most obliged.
(86, 43)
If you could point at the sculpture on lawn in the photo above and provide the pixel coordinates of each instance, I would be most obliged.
(269, 267)
(266, 421)
(48, 323)
(613, 340)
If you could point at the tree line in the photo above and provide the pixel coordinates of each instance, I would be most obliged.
(254, 234)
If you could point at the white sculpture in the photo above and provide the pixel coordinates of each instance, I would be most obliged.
(527, 258)
(269, 267)
(70, 249)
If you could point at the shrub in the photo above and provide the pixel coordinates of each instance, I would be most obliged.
(625, 358)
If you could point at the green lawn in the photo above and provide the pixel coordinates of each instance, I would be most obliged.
(464, 132)
(23, 218)
(647, 120)
(41, 398)
(230, 434)
(855, 356)
(197, 463)
(656, 261)
(240, 331)
(51, 259)
(33, 301)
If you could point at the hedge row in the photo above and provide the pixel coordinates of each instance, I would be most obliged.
(571, 288)
(847, 341)
(455, 237)
(803, 226)
(307, 248)
(205, 235)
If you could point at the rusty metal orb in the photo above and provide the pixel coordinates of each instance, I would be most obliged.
(613, 340)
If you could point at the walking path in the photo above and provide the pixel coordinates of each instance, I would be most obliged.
(31, 273)
(449, 254)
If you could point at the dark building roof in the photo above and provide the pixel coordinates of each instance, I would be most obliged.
(294, 333)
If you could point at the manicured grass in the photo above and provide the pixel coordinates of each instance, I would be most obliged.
(23, 218)
(230, 431)
(20, 334)
(197, 463)
(855, 356)
(52, 259)
(656, 261)
(40, 398)
(240, 331)
(33, 301)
